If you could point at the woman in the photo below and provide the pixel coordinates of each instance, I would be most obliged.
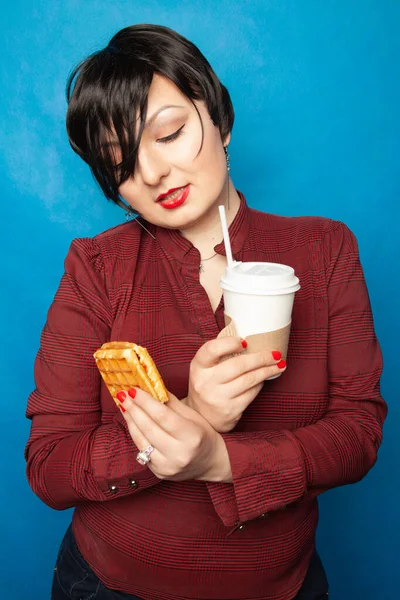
(225, 506)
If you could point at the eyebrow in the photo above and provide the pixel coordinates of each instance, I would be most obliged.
(149, 121)
(155, 115)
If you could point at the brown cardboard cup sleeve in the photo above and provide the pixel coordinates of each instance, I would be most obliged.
(274, 340)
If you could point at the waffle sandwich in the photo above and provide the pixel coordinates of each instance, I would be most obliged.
(123, 365)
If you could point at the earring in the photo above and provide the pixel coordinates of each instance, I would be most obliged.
(228, 158)
(228, 167)
(131, 214)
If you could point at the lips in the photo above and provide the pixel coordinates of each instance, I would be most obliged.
(169, 193)
(174, 197)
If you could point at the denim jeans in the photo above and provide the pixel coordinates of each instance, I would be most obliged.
(74, 579)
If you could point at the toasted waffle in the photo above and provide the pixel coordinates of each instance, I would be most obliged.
(123, 365)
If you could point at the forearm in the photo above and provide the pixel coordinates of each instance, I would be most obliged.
(273, 469)
(93, 464)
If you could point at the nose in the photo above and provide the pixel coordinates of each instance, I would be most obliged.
(152, 165)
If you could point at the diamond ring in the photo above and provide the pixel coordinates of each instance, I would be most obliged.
(143, 457)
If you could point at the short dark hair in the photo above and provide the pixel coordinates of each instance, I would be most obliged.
(109, 90)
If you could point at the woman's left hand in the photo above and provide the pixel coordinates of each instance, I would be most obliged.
(185, 445)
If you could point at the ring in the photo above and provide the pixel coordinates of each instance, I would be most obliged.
(143, 457)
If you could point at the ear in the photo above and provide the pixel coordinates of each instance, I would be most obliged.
(227, 139)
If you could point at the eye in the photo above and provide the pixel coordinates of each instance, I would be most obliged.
(172, 137)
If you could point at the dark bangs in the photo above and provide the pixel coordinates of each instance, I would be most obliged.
(108, 92)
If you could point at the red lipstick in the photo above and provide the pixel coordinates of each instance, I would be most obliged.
(174, 197)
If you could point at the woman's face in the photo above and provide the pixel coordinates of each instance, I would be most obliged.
(169, 158)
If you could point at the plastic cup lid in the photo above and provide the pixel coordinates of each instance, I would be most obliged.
(260, 278)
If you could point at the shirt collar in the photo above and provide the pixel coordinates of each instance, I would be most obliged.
(180, 248)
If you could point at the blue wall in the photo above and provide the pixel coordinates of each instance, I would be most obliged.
(317, 96)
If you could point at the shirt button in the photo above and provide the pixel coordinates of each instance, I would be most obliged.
(241, 527)
(132, 484)
(113, 488)
(264, 515)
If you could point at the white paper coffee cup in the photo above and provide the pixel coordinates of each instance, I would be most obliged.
(258, 298)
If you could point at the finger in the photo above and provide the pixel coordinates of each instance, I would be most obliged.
(141, 442)
(162, 441)
(245, 363)
(137, 436)
(211, 352)
(248, 380)
(162, 415)
(161, 433)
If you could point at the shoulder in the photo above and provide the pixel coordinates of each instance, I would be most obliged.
(299, 230)
(120, 240)
(119, 243)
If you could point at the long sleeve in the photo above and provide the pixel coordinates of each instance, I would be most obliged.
(77, 450)
(272, 469)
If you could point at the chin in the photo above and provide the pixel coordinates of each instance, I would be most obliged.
(178, 218)
(181, 224)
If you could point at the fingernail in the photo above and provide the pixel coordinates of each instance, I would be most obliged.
(276, 354)
(132, 392)
(122, 408)
(281, 364)
(244, 343)
(121, 396)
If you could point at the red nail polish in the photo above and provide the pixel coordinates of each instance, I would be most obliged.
(122, 408)
(281, 364)
(244, 343)
(121, 396)
(132, 392)
(276, 355)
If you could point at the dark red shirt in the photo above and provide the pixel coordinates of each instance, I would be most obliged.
(316, 427)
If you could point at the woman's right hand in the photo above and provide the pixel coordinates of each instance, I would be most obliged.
(221, 390)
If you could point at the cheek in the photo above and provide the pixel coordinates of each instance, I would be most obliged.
(128, 191)
(211, 160)
(184, 154)
(125, 190)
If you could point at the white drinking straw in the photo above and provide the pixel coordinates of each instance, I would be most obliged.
(225, 232)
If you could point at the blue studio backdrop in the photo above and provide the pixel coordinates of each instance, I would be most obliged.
(316, 91)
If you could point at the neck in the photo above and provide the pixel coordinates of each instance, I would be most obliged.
(207, 233)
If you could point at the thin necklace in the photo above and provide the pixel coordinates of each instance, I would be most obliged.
(203, 260)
